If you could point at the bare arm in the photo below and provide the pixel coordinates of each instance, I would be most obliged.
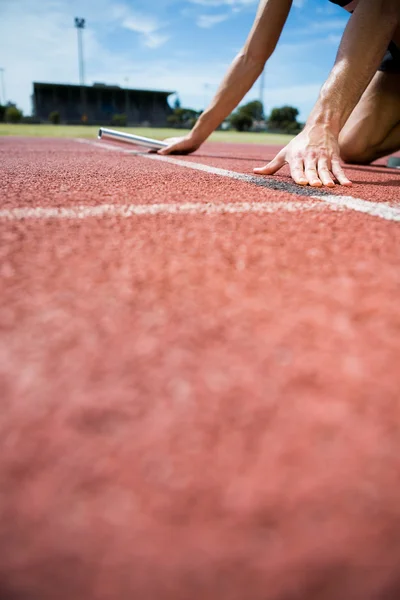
(364, 42)
(247, 66)
(314, 154)
(243, 72)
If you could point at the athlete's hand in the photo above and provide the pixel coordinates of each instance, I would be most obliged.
(180, 145)
(313, 157)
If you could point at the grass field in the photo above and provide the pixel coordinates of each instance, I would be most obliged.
(83, 131)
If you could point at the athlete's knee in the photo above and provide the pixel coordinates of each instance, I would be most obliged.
(354, 151)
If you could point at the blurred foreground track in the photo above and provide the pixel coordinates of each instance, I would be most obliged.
(197, 405)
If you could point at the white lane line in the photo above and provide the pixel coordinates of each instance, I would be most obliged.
(375, 209)
(382, 210)
(132, 210)
(265, 182)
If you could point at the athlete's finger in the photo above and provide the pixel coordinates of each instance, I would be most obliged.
(324, 172)
(273, 166)
(310, 171)
(177, 146)
(339, 173)
(297, 171)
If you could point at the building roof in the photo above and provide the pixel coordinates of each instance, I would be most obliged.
(99, 86)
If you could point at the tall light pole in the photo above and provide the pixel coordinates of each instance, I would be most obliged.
(80, 24)
(3, 86)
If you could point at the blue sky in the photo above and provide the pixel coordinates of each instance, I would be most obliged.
(177, 45)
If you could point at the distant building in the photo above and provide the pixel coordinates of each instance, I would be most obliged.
(98, 103)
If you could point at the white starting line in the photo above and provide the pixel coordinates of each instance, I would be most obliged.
(131, 210)
(382, 210)
(325, 200)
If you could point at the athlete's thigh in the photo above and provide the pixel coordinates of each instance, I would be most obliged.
(377, 112)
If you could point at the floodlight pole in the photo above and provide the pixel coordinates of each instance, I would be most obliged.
(3, 86)
(80, 24)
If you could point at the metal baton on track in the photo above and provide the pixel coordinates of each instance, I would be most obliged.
(138, 140)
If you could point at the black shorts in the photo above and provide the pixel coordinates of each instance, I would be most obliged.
(391, 60)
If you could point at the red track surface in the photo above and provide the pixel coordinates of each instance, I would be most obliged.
(195, 406)
(375, 182)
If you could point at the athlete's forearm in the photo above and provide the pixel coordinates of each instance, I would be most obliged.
(246, 67)
(237, 82)
(364, 42)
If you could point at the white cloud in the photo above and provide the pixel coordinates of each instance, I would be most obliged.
(207, 21)
(155, 39)
(140, 23)
(148, 26)
(298, 3)
(307, 93)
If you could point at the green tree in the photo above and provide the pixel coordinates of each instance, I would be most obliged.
(13, 114)
(2, 113)
(293, 128)
(183, 117)
(253, 109)
(241, 121)
(284, 119)
(177, 103)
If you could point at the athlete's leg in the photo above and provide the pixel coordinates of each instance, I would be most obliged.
(373, 128)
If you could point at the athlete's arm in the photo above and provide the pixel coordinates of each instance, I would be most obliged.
(243, 72)
(363, 45)
(314, 154)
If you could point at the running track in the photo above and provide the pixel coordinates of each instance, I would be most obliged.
(200, 378)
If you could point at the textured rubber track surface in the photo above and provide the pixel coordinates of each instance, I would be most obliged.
(375, 182)
(194, 406)
(64, 173)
